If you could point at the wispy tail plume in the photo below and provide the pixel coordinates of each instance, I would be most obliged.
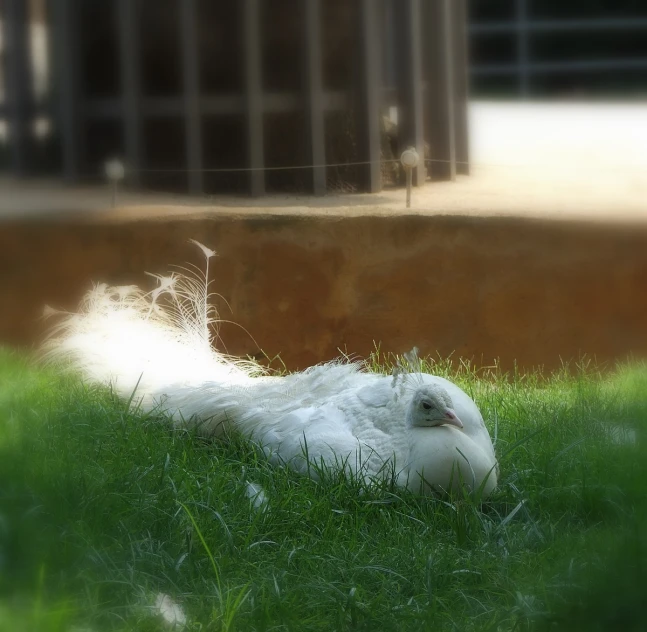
(158, 342)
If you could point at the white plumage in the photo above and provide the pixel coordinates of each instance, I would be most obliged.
(423, 428)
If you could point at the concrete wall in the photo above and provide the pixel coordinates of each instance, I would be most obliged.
(306, 286)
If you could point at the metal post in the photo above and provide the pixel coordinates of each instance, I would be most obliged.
(441, 91)
(66, 42)
(254, 95)
(461, 84)
(390, 43)
(314, 92)
(410, 98)
(128, 26)
(523, 47)
(115, 173)
(192, 113)
(410, 160)
(18, 83)
(370, 95)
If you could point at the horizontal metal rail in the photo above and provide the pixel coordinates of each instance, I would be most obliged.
(558, 67)
(552, 26)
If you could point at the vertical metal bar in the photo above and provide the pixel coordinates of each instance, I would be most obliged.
(523, 48)
(18, 83)
(390, 43)
(254, 95)
(410, 98)
(441, 91)
(461, 84)
(129, 49)
(370, 95)
(314, 92)
(192, 112)
(66, 37)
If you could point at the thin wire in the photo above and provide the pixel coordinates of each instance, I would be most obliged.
(386, 162)
(235, 169)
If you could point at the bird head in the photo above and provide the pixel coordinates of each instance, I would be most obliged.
(431, 406)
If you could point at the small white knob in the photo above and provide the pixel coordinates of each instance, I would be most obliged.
(115, 170)
(409, 158)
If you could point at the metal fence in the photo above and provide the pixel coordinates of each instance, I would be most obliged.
(526, 67)
(428, 51)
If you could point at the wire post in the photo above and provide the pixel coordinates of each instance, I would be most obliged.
(409, 160)
(115, 173)
(408, 26)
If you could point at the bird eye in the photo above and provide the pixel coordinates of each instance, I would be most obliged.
(426, 405)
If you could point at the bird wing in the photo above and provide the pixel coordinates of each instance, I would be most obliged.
(377, 418)
(385, 406)
(378, 394)
(301, 436)
(318, 384)
(343, 432)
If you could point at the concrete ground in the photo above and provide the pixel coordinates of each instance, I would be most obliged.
(552, 161)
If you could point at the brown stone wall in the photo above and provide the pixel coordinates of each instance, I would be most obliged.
(305, 286)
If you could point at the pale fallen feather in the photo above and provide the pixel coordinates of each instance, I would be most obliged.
(257, 496)
(170, 611)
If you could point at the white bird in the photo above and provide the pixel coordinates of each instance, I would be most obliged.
(421, 428)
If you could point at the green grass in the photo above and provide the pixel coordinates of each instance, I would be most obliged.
(102, 508)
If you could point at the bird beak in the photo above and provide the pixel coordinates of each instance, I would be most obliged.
(452, 418)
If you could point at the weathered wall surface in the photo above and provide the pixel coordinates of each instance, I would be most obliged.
(305, 286)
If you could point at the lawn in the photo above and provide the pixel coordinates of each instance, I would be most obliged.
(102, 509)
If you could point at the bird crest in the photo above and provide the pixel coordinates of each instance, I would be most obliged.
(405, 367)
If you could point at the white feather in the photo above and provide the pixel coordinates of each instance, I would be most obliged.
(257, 496)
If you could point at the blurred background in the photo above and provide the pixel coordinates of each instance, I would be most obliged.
(174, 89)
(518, 109)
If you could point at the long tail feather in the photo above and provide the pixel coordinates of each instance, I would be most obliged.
(154, 341)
